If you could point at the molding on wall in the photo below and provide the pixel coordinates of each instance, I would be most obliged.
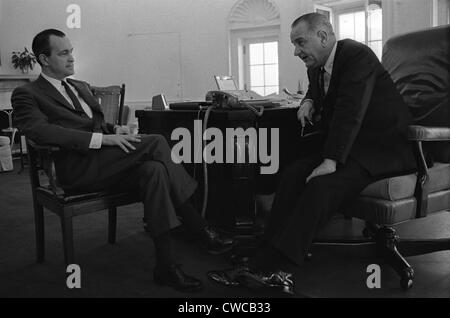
(253, 13)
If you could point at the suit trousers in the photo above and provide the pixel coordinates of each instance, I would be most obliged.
(162, 185)
(300, 209)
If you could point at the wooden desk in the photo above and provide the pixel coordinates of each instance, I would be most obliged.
(232, 187)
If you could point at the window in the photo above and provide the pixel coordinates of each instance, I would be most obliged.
(375, 29)
(363, 25)
(254, 27)
(352, 26)
(262, 66)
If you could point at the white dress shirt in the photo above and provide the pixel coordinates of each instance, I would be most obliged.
(329, 68)
(328, 71)
(96, 140)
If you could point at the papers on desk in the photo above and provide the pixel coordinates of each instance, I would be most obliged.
(285, 99)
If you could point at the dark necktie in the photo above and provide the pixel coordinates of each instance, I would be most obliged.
(75, 101)
(322, 83)
(321, 86)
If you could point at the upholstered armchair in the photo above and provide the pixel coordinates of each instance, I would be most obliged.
(419, 66)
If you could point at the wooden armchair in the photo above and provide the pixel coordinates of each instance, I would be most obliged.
(111, 100)
(48, 194)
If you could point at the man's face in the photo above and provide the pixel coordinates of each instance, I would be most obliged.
(309, 46)
(60, 63)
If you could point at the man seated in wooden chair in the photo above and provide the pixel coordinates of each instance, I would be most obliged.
(95, 155)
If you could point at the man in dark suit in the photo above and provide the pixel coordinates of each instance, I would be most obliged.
(55, 110)
(363, 121)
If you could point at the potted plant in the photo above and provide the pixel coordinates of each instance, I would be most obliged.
(24, 60)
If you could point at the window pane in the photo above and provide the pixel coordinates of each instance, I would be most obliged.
(360, 26)
(271, 90)
(256, 53)
(346, 26)
(375, 25)
(259, 90)
(271, 75)
(257, 75)
(377, 47)
(271, 52)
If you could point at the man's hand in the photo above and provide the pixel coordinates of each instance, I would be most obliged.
(122, 130)
(122, 141)
(306, 112)
(326, 167)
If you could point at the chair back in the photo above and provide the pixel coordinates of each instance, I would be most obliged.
(419, 65)
(111, 100)
(41, 159)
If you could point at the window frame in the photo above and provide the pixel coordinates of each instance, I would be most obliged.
(254, 40)
(353, 9)
(236, 43)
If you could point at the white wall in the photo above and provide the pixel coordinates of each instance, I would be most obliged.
(164, 46)
(182, 42)
(403, 16)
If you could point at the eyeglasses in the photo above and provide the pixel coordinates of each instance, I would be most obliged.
(302, 132)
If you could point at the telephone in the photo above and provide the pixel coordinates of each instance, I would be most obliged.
(238, 99)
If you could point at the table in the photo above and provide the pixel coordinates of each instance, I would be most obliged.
(232, 187)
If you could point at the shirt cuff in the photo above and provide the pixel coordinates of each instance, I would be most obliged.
(96, 141)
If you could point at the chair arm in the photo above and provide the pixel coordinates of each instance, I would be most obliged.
(46, 153)
(43, 147)
(422, 133)
(418, 134)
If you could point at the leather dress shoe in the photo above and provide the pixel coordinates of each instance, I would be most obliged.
(227, 277)
(173, 276)
(244, 276)
(277, 280)
(216, 242)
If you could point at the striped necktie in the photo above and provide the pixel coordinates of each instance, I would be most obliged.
(75, 102)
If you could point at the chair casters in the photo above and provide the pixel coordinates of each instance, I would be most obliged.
(407, 277)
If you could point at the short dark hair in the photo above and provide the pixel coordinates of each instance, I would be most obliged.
(41, 43)
(314, 20)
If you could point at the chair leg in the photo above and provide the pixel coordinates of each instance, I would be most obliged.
(112, 225)
(387, 241)
(21, 154)
(67, 233)
(39, 229)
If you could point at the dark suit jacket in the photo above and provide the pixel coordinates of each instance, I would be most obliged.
(45, 116)
(374, 135)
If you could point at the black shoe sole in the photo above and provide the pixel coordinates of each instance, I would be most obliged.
(256, 285)
(234, 284)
